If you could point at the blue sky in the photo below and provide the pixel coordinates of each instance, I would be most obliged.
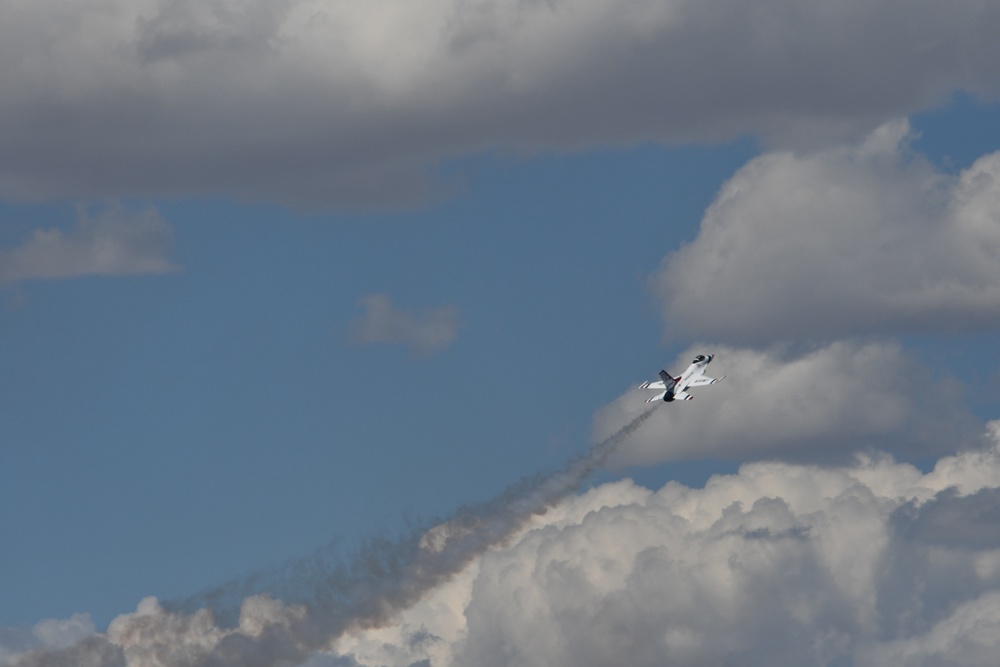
(196, 384)
(227, 404)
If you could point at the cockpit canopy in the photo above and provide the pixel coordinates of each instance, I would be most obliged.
(700, 358)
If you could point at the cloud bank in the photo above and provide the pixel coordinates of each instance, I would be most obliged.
(780, 564)
(865, 564)
(356, 102)
(868, 239)
(382, 322)
(116, 242)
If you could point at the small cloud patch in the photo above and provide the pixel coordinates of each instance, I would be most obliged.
(424, 334)
(116, 242)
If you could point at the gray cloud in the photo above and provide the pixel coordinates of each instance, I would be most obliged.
(382, 322)
(181, 29)
(967, 637)
(953, 520)
(822, 405)
(115, 242)
(857, 240)
(356, 103)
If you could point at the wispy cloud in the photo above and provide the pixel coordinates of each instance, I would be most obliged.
(116, 242)
(424, 334)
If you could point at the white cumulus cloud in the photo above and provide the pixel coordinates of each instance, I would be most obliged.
(867, 564)
(855, 240)
(780, 564)
(424, 334)
(356, 102)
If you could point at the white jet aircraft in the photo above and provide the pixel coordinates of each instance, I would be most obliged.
(675, 389)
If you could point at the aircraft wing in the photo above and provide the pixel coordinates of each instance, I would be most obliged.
(703, 380)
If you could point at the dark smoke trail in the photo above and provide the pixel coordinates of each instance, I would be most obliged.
(386, 578)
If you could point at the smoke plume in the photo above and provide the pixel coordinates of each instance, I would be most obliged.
(367, 592)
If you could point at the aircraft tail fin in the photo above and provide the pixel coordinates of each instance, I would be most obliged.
(668, 381)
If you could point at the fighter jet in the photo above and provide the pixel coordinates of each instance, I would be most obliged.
(675, 388)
